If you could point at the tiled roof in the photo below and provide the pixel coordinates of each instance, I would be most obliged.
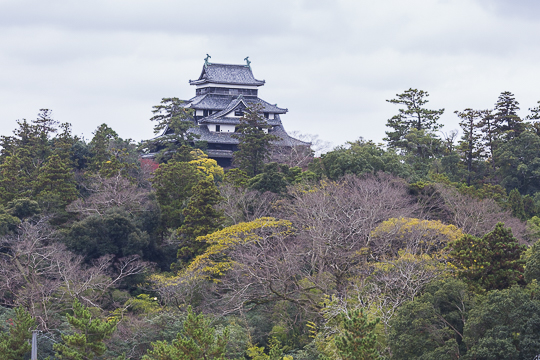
(227, 74)
(220, 102)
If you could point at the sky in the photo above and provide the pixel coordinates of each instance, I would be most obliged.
(332, 64)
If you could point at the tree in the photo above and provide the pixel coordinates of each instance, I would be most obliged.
(14, 344)
(413, 116)
(197, 341)
(431, 325)
(359, 339)
(505, 325)
(470, 141)
(507, 122)
(173, 121)
(201, 218)
(518, 162)
(358, 158)
(55, 185)
(532, 267)
(491, 262)
(173, 183)
(515, 202)
(254, 145)
(99, 146)
(111, 233)
(86, 342)
(490, 135)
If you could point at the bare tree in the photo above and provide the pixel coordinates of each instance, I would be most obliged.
(478, 216)
(106, 193)
(37, 272)
(241, 204)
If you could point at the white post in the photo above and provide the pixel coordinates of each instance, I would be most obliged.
(34, 345)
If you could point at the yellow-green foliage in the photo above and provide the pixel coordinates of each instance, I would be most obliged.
(207, 166)
(211, 263)
(214, 261)
(414, 235)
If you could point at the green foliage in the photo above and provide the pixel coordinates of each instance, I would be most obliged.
(358, 340)
(515, 202)
(470, 144)
(99, 146)
(112, 233)
(14, 344)
(491, 262)
(518, 161)
(431, 326)
(198, 340)
(507, 122)
(86, 341)
(532, 267)
(23, 208)
(359, 157)
(236, 177)
(201, 218)
(505, 325)
(275, 352)
(7, 221)
(173, 118)
(173, 183)
(55, 184)
(413, 116)
(254, 145)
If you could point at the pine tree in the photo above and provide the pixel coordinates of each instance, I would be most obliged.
(86, 342)
(413, 116)
(255, 142)
(358, 341)
(175, 120)
(99, 146)
(491, 262)
(515, 201)
(508, 123)
(201, 218)
(15, 343)
(197, 341)
(55, 184)
(470, 141)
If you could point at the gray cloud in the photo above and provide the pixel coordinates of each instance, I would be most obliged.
(332, 63)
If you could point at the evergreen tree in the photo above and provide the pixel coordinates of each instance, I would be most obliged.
(99, 146)
(174, 120)
(532, 267)
(509, 125)
(491, 262)
(86, 342)
(490, 136)
(359, 339)
(413, 116)
(16, 176)
(173, 183)
(55, 184)
(197, 341)
(255, 142)
(515, 201)
(200, 218)
(15, 343)
(470, 141)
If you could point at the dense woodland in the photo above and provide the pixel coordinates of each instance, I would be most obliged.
(424, 247)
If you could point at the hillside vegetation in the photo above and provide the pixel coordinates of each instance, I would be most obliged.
(425, 247)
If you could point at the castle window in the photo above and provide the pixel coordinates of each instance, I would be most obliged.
(238, 113)
(218, 128)
(266, 115)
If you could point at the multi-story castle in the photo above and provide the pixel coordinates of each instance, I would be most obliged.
(223, 92)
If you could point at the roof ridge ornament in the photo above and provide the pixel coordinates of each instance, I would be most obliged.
(206, 62)
(248, 62)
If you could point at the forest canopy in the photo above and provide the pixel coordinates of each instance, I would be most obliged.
(424, 247)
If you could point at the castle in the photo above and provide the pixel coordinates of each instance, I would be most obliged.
(223, 92)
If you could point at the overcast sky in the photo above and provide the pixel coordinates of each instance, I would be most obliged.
(331, 63)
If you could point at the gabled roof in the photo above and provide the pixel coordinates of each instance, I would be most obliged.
(220, 102)
(227, 74)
